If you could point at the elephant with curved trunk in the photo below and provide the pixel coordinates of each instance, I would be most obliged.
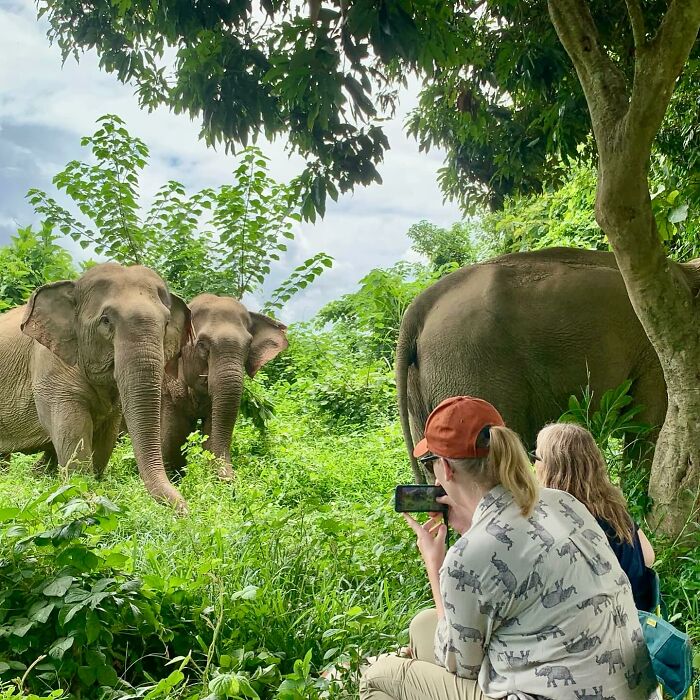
(81, 352)
(526, 331)
(230, 341)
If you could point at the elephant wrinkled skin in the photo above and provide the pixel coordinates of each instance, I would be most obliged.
(526, 331)
(81, 352)
(229, 340)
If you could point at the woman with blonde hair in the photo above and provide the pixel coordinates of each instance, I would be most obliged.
(568, 458)
(530, 602)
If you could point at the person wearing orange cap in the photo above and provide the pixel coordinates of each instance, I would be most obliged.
(530, 602)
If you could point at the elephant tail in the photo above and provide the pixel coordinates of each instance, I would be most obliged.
(406, 355)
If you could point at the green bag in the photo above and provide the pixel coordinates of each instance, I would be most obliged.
(670, 653)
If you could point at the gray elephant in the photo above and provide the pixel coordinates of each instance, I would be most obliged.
(229, 342)
(81, 352)
(525, 331)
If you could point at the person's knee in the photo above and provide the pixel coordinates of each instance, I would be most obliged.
(375, 677)
(421, 635)
(365, 684)
(423, 624)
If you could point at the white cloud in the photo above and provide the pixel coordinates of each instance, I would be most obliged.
(45, 108)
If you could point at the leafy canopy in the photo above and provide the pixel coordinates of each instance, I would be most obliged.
(247, 70)
(221, 241)
(501, 96)
(443, 246)
(33, 258)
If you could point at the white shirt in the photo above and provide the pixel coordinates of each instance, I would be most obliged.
(539, 606)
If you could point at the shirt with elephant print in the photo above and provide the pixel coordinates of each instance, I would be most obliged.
(539, 606)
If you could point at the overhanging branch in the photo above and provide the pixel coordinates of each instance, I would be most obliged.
(603, 83)
(658, 65)
(639, 32)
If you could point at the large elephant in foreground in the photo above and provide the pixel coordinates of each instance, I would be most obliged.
(81, 352)
(229, 342)
(525, 331)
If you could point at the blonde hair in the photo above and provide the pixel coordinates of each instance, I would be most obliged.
(572, 462)
(507, 464)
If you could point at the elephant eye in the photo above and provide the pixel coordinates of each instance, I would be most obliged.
(104, 320)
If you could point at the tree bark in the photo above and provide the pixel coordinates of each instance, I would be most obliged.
(626, 119)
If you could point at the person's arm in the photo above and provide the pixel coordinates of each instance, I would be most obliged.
(647, 549)
(430, 539)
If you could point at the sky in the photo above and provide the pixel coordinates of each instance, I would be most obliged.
(46, 107)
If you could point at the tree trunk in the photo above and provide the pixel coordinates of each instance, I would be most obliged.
(626, 118)
(664, 303)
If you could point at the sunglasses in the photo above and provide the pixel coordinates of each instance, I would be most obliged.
(534, 457)
(428, 461)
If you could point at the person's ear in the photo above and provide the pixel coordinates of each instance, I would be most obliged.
(447, 468)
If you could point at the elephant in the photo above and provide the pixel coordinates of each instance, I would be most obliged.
(80, 353)
(229, 341)
(525, 331)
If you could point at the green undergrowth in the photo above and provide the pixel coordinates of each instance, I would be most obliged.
(298, 565)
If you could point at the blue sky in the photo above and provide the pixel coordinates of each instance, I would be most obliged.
(45, 108)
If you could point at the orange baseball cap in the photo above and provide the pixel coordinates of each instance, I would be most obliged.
(454, 425)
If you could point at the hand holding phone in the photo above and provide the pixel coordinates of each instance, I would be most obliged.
(418, 498)
(421, 498)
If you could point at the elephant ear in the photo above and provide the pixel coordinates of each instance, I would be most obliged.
(178, 333)
(50, 318)
(269, 339)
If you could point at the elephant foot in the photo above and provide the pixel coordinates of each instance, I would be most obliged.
(171, 496)
(225, 472)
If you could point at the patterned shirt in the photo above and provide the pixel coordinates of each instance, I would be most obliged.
(539, 606)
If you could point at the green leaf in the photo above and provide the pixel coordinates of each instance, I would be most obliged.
(678, 214)
(21, 627)
(60, 647)
(58, 587)
(87, 675)
(39, 612)
(107, 676)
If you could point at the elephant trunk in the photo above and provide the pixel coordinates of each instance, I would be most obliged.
(138, 368)
(225, 389)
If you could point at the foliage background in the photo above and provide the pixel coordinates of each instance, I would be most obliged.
(301, 565)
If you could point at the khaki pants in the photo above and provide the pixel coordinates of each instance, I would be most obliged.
(392, 677)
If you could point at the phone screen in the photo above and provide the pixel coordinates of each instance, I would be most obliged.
(418, 498)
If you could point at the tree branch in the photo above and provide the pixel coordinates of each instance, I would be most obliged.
(639, 31)
(603, 83)
(658, 65)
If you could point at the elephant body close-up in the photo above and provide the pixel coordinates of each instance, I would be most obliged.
(229, 342)
(81, 352)
(526, 331)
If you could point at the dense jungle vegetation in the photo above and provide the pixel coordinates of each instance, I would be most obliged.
(300, 565)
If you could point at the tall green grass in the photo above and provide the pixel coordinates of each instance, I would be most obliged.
(298, 565)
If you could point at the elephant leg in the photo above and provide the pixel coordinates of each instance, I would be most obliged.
(649, 391)
(103, 440)
(176, 424)
(47, 463)
(70, 427)
(173, 441)
(224, 470)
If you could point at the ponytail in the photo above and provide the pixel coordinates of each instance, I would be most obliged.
(509, 465)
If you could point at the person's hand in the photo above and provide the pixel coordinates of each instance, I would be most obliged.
(459, 518)
(430, 539)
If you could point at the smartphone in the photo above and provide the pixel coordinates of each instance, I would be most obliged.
(418, 498)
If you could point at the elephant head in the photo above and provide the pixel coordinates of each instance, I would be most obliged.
(119, 326)
(230, 340)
